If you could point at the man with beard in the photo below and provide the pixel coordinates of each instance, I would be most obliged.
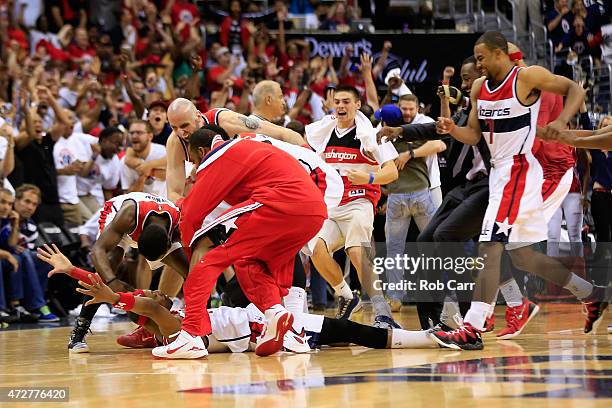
(149, 176)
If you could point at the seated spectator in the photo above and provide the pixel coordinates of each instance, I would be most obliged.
(27, 199)
(100, 175)
(144, 165)
(24, 283)
(558, 21)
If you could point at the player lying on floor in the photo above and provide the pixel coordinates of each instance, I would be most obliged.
(233, 329)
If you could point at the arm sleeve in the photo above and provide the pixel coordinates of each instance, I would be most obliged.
(423, 131)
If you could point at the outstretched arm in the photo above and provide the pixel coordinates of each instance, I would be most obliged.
(587, 139)
(235, 123)
(93, 285)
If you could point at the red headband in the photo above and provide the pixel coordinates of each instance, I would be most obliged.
(516, 56)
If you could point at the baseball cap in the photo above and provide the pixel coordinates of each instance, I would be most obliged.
(158, 102)
(390, 114)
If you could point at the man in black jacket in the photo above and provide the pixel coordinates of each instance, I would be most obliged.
(459, 217)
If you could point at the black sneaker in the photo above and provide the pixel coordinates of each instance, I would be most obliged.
(463, 338)
(6, 317)
(346, 307)
(22, 315)
(385, 322)
(77, 342)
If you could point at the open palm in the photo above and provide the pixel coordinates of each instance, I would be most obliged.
(54, 257)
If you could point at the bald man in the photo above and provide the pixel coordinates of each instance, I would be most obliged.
(185, 119)
(269, 102)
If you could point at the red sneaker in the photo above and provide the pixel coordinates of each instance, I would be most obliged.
(489, 324)
(595, 306)
(138, 339)
(278, 322)
(463, 338)
(517, 318)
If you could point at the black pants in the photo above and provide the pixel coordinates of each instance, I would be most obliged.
(458, 220)
(601, 209)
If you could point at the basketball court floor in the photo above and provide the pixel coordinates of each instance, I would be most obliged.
(551, 365)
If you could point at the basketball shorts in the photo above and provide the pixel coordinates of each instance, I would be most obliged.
(514, 214)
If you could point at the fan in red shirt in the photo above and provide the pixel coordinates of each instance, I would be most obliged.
(186, 12)
(267, 190)
(81, 47)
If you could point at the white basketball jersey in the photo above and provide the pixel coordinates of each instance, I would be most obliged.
(508, 126)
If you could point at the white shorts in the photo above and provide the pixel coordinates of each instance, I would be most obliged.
(514, 214)
(554, 192)
(349, 225)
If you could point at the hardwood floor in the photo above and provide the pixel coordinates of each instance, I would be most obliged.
(552, 364)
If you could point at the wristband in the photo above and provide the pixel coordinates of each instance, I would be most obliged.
(371, 178)
(81, 274)
(138, 292)
(126, 301)
(411, 152)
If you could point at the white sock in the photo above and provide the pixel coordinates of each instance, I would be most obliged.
(579, 287)
(295, 299)
(477, 315)
(401, 339)
(381, 307)
(344, 290)
(493, 303)
(512, 293)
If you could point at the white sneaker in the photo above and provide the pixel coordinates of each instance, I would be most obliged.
(278, 321)
(185, 346)
(296, 342)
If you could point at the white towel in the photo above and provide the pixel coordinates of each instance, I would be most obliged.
(319, 133)
(403, 89)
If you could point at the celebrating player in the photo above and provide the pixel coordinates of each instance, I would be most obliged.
(233, 329)
(507, 103)
(268, 191)
(138, 220)
(185, 119)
